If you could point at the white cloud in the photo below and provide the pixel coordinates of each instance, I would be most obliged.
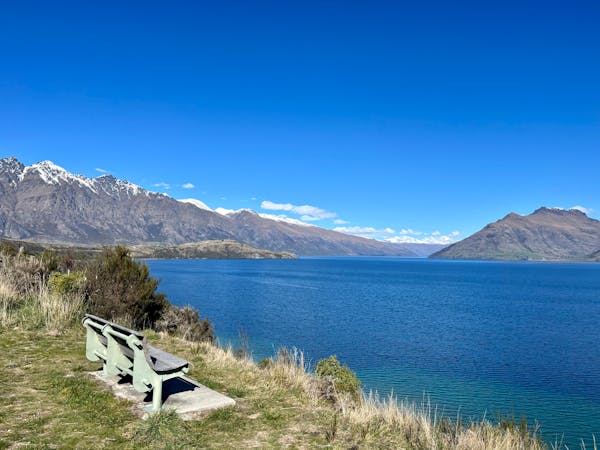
(98, 169)
(364, 231)
(404, 236)
(409, 231)
(355, 230)
(434, 238)
(340, 222)
(309, 218)
(162, 185)
(308, 213)
(188, 186)
(583, 209)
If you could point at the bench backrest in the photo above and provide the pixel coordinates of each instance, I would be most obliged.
(102, 322)
(119, 345)
(115, 344)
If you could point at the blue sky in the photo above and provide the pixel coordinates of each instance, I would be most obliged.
(407, 118)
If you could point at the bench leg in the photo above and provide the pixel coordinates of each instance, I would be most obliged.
(157, 395)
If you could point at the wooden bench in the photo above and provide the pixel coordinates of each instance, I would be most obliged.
(126, 352)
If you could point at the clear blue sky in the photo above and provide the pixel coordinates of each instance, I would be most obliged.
(429, 116)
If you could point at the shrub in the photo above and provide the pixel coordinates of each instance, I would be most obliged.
(63, 284)
(119, 288)
(185, 322)
(8, 249)
(49, 262)
(343, 379)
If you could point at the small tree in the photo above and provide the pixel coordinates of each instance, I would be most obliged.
(120, 288)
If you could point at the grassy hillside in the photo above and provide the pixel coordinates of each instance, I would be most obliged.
(49, 400)
(215, 249)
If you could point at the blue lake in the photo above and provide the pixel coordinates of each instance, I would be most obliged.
(476, 337)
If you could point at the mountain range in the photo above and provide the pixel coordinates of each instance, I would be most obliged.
(45, 203)
(548, 234)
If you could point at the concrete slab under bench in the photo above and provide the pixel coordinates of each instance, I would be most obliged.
(186, 397)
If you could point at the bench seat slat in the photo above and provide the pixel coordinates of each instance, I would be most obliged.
(165, 362)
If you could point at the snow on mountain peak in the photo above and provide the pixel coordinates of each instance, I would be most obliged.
(111, 185)
(285, 219)
(230, 212)
(51, 173)
(11, 165)
(197, 203)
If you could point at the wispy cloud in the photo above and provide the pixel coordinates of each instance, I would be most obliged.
(162, 185)
(188, 186)
(306, 212)
(98, 169)
(365, 231)
(340, 222)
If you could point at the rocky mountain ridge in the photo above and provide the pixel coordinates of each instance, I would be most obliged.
(46, 203)
(547, 234)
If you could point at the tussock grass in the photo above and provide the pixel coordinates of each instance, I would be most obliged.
(26, 301)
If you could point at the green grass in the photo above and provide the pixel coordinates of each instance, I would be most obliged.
(50, 401)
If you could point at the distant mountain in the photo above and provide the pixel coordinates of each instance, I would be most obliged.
(424, 250)
(548, 234)
(46, 203)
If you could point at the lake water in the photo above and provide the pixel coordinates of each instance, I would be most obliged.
(480, 337)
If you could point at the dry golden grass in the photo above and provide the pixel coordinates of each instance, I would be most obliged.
(26, 300)
(371, 423)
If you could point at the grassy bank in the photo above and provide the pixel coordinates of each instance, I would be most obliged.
(49, 401)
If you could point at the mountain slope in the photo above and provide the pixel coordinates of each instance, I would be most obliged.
(547, 234)
(306, 240)
(45, 203)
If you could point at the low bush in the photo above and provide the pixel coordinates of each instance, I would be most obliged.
(339, 377)
(186, 323)
(66, 283)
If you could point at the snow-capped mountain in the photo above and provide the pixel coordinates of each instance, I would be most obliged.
(46, 203)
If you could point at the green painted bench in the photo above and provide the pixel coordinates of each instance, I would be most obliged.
(126, 352)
